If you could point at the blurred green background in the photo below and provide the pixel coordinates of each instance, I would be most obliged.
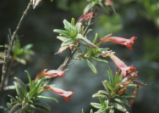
(131, 17)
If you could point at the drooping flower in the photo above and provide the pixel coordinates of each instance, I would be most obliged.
(50, 73)
(121, 65)
(119, 40)
(87, 16)
(66, 94)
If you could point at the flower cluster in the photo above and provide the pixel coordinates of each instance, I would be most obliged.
(121, 66)
(52, 74)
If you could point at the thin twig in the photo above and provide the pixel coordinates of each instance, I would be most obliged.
(8, 51)
(67, 60)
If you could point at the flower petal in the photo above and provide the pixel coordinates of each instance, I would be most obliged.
(123, 41)
(50, 73)
(87, 16)
(54, 73)
(66, 94)
(121, 65)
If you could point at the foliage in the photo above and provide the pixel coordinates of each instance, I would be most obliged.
(111, 98)
(21, 54)
(28, 96)
(74, 37)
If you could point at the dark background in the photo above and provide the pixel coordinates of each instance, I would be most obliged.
(139, 18)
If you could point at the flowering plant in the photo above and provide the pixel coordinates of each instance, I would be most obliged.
(74, 38)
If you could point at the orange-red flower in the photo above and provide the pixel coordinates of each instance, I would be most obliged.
(87, 16)
(50, 73)
(66, 94)
(121, 65)
(119, 40)
(54, 73)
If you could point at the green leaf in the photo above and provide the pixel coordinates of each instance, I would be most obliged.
(31, 84)
(88, 7)
(84, 41)
(67, 42)
(78, 27)
(63, 39)
(110, 75)
(20, 87)
(111, 111)
(62, 32)
(20, 60)
(82, 110)
(49, 98)
(121, 108)
(91, 111)
(99, 59)
(42, 106)
(105, 86)
(68, 25)
(109, 86)
(97, 95)
(15, 108)
(95, 38)
(92, 67)
(96, 105)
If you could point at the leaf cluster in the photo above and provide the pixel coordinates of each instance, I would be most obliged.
(109, 99)
(28, 96)
(21, 54)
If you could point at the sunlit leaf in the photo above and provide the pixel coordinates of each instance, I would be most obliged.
(49, 98)
(84, 41)
(91, 66)
(96, 105)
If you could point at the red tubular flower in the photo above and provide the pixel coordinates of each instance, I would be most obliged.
(50, 73)
(121, 65)
(87, 16)
(119, 40)
(54, 73)
(66, 94)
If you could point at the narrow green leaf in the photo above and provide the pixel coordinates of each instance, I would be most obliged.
(20, 87)
(105, 86)
(96, 105)
(82, 110)
(92, 67)
(100, 60)
(63, 39)
(68, 25)
(84, 41)
(121, 108)
(111, 111)
(67, 42)
(95, 38)
(49, 98)
(78, 27)
(88, 7)
(109, 86)
(62, 32)
(91, 111)
(29, 78)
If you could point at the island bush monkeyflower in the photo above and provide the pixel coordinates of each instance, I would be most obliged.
(87, 16)
(121, 65)
(50, 73)
(66, 94)
(119, 40)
